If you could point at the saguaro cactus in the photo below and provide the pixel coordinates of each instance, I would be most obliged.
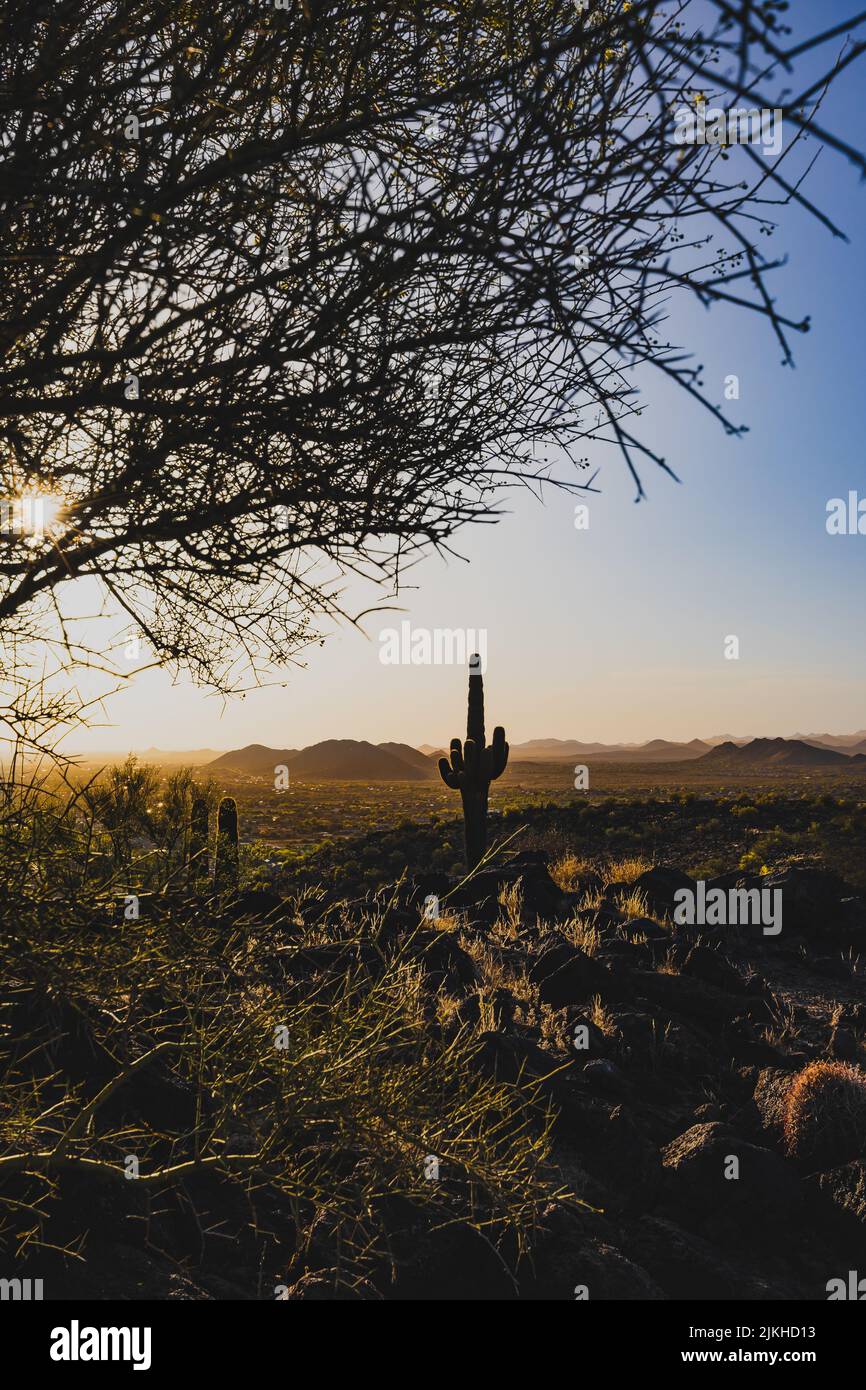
(473, 766)
(198, 851)
(226, 859)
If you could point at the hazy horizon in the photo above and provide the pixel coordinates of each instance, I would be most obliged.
(443, 743)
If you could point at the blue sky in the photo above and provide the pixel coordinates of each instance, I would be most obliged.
(617, 633)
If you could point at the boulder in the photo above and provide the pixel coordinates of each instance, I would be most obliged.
(741, 1041)
(703, 963)
(677, 994)
(645, 926)
(602, 1272)
(619, 953)
(445, 963)
(541, 896)
(566, 975)
(771, 1093)
(696, 1162)
(735, 878)
(516, 1060)
(614, 1148)
(839, 1194)
(659, 885)
(842, 1046)
(687, 1267)
(605, 1076)
(811, 898)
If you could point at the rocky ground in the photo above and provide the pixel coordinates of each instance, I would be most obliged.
(694, 1036)
(656, 1059)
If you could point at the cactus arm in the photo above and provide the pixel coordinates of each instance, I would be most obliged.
(456, 756)
(497, 754)
(448, 775)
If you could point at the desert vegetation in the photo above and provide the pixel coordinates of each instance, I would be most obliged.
(317, 1088)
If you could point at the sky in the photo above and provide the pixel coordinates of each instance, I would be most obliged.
(618, 632)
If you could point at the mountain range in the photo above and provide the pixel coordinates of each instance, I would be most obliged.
(779, 752)
(347, 759)
(343, 759)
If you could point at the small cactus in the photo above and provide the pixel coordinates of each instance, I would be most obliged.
(226, 857)
(198, 860)
(825, 1114)
(473, 766)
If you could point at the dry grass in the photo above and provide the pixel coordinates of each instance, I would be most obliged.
(567, 872)
(634, 905)
(601, 1017)
(511, 902)
(571, 868)
(626, 870)
(583, 935)
(784, 1028)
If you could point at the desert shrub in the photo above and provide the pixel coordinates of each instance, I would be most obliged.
(825, 1114)
(626, 870)
(752, 862)
(568, 870)
(271, 1100)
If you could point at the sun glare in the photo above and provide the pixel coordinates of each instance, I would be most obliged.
(35, 516)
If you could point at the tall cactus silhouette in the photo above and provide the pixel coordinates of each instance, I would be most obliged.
(197, 861)
(226, 857)
(473, 766)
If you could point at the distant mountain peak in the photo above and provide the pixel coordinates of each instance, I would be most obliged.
(333, 759)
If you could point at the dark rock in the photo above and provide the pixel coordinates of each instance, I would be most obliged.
(597, 1042)
(515, 1060)
(542, 897)
(849, 926)
(602, 1273)
(617, 951)
(703, 963)
(659, 885)
(682, 1050)
(707, 1113)
(124, 1273)
(811, 898)
(843, 1045)
(444, 961)
(688, 1267)
(566, 975)
(645, 926)
(735, 878)
(613, 1148)
(831, 967)
(447, 1261)
(605, 1076)
(426, 885)
(260, 904)
(562, 1231)
(769, 1101)
(839, 1194)
(327, 964)
(677, 994)
(636, 1033)
(502, 1007)
(740, 1041)
(767, 1189)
